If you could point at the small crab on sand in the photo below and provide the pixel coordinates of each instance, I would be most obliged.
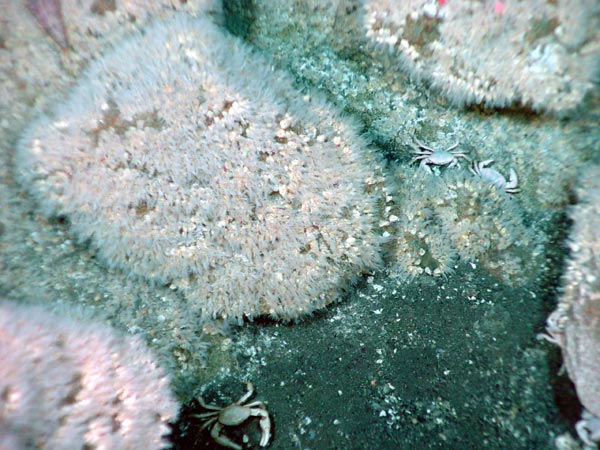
(233, 415)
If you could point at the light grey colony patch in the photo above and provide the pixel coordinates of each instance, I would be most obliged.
(539, 54)
(186, 159)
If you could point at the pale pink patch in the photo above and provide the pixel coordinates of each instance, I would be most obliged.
(49, 15)
(499, 7)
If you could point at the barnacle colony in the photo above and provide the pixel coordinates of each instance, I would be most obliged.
(444, 219)
(539, 54)
(184, 158)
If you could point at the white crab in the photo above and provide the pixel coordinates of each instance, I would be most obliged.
(555, 325)
(588, 429)
(235, 414)
(510, 186)
(431, 157)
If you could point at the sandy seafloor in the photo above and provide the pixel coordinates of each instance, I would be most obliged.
(432, 363)
(444, 364)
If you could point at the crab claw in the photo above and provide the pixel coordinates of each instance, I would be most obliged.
(425, 166)
(512, 185)
(588, 429)
(265, 426)
(477, 167)
(222, 439)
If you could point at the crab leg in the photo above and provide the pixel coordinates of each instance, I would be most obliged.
(452, 147)
(265, 424)
(206, 406)
(424, 146)
(247, 395)
(222, 439)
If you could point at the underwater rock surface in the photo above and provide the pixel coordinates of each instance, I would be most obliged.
(470, 338)
(575, 324)
(73, 384)
(537, 54)
(187, 161)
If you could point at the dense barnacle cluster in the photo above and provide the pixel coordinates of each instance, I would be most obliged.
(574, 323)
(440, 220)
(538, 54)
(188, 161)
(75, 384)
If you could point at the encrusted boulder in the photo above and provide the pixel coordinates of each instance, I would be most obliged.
(185, 159)
(575, 324)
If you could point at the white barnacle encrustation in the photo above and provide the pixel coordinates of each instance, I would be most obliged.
(456, 217)
(496, 63)
(186, 160)
(574, 324)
